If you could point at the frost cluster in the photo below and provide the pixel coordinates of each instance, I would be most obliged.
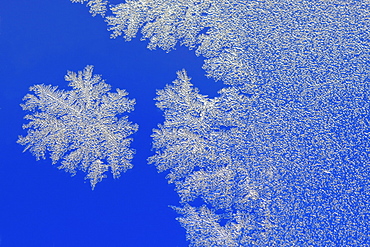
(80, 127)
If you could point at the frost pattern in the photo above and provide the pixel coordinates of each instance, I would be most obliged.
(80, 127)
(280, 158)
(269, 171)
(250, 41)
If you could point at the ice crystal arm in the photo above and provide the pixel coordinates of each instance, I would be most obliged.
(186, 109)
(97, 7)
(204, 229)
(81, 127)
(164, 22)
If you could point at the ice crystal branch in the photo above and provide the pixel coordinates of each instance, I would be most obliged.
(80, 127)
(201, 144)
(97, 7)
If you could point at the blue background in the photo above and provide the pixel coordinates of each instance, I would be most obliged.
(43, 206)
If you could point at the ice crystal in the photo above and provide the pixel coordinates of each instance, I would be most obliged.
(80, 127)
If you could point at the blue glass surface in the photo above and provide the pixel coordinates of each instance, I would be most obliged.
(43, 206)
